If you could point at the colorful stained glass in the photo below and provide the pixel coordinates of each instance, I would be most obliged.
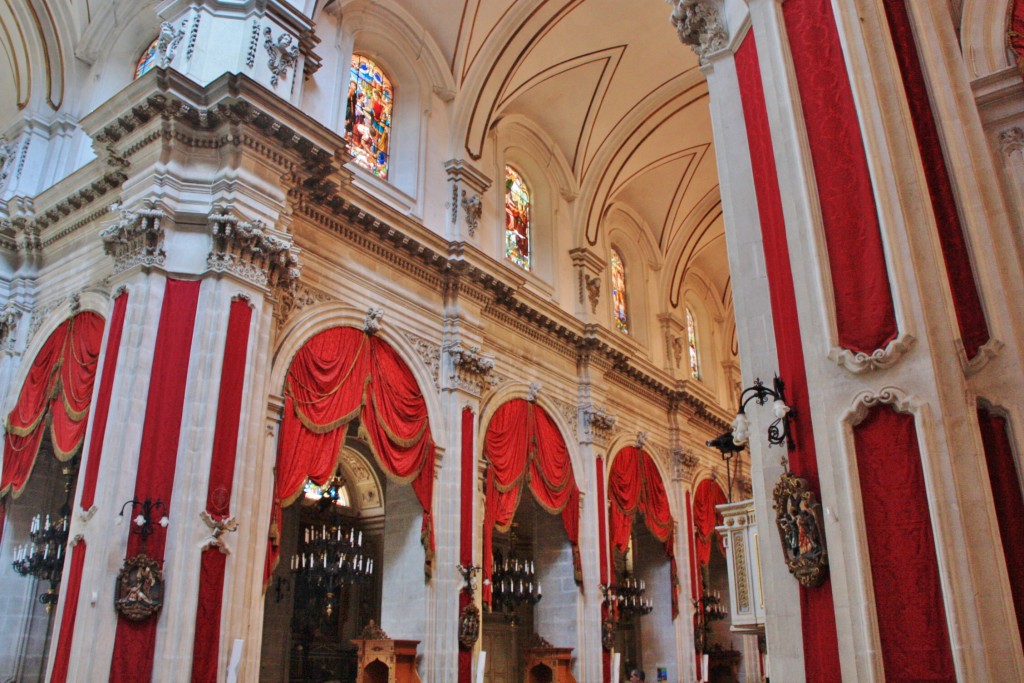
(517, 219)
(619, 292)
(339, 496)
(147, 60)
(691, 340)
(368, 116)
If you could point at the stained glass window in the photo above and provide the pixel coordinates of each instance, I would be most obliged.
(329, 491)
(691, 341)
(517, 219)
(147, 60)
(619, 292)
(368, 116)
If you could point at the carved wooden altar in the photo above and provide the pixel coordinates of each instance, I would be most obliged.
(546, 664)
(385, 660)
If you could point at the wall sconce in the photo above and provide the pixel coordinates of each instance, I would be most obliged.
(142, 523)
(731, 443)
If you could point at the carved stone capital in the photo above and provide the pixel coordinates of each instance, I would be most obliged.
(598, 424)
(699, 25)
(470, 369)
(136, 239)
(252, 252)
(1010, 140)
(684, 462)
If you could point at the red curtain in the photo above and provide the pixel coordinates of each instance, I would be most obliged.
(468, 494)
(338, 375)
(99, 423)
(58, 386)
(602, 539)
(909, 604)
(634, 484)
(865, 314)
(970, 313)
(706, 517)
(1015, 33)
(817, 614)
(132, 659)
(1009, 503)
(73, 587)
(523, 445)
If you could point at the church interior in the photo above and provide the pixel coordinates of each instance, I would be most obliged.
(512, 341)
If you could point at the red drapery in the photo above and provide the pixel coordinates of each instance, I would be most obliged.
(970, 313)
(134, 641)
(634, 484)
(865, 313)
(523, 445)
(73, 586)
(468, 494)
(602, 539)
(99, 423)
(706, 517)
(817, 614)
(1009, 502)
(338, 375)
(58, 386)
(1015, 33)
(206, 644)
(904, 571)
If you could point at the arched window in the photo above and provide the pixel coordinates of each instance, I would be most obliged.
(619, 292)
(147, 60)
(517, 219)
(368, 116)
(691, 341)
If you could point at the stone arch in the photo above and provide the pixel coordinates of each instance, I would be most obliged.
(983, 28)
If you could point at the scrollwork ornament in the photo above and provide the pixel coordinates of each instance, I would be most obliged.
(167, 42)
(801, 530)
(283, 55)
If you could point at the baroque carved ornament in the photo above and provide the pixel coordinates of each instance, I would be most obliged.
(283, 55)
(699, 25)
(136, 239)
(251, 251)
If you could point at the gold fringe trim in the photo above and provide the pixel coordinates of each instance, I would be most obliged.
(395, 439)
(380, 463)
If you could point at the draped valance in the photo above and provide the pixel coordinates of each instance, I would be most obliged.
(634, 484)
(523, 446)
(706, 517)
(338, 375)
(58, 388)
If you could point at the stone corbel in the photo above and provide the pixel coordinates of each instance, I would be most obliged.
(684, 463)
(700, 25)
(641, 440)
(598, 424)
(534, 391)
(136, 239)
(588, 266)
(470, 369)
(467, 186)
(252, 251)
(373, 320)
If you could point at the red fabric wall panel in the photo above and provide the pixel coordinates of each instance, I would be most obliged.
(466, 528)
(821, 642)
(205, 650)
(904, 572)
(970, 314)
(1006, 482)
(73, 586)
(99, 423)
(865, 315)
(132, 659)
(602, 539)
(1015, 35)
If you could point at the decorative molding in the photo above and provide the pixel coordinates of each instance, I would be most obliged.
(298, 298)
(252, 252)
(592, 285)
(193, 34)
(468, 185)
(641, 439)
(531, 394)
(987, 352)
(472, 206)
(254, 42)
(10, 316)
(700, 26)
(866, 400)
(470, 369)
(1010, 140)
(8, 153)
(858, 362)
(167, 42)
(429, 353)
(283, 55)
(373, 320)
(571, 414)
(598, 425)
(739, 556)
(136, 239)
(684, 463)
(41, 314)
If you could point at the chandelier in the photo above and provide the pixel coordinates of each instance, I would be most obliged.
(628, 599)
(709, 607)
(43, 556)
(330, 552)
(513, 583)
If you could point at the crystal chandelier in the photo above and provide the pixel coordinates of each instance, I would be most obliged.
(514, 583)
(43, 556)
(330, 552)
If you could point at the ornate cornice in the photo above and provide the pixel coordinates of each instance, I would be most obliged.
(470, 370)
(136, 239)
(252, 252)
(700, 26)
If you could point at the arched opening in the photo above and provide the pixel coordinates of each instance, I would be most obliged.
(354, 435)
(642, 600)
(36, 493)
(529, 542)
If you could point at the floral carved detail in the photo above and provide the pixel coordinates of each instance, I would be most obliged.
(699, 25)
(254, 41)
(429, 353)
(251, 251)
(298, 298)
(283, 55)
(167, 42)
(470, 368)
(592, 284)
(374, 320)
(9, 318)
(739, 553)
(473, 207)
(571, 414)
(193, 34)
(677, 350)
(684, 462)
(858, 362)
(599, 424)
(8, 152)
(137, 239)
